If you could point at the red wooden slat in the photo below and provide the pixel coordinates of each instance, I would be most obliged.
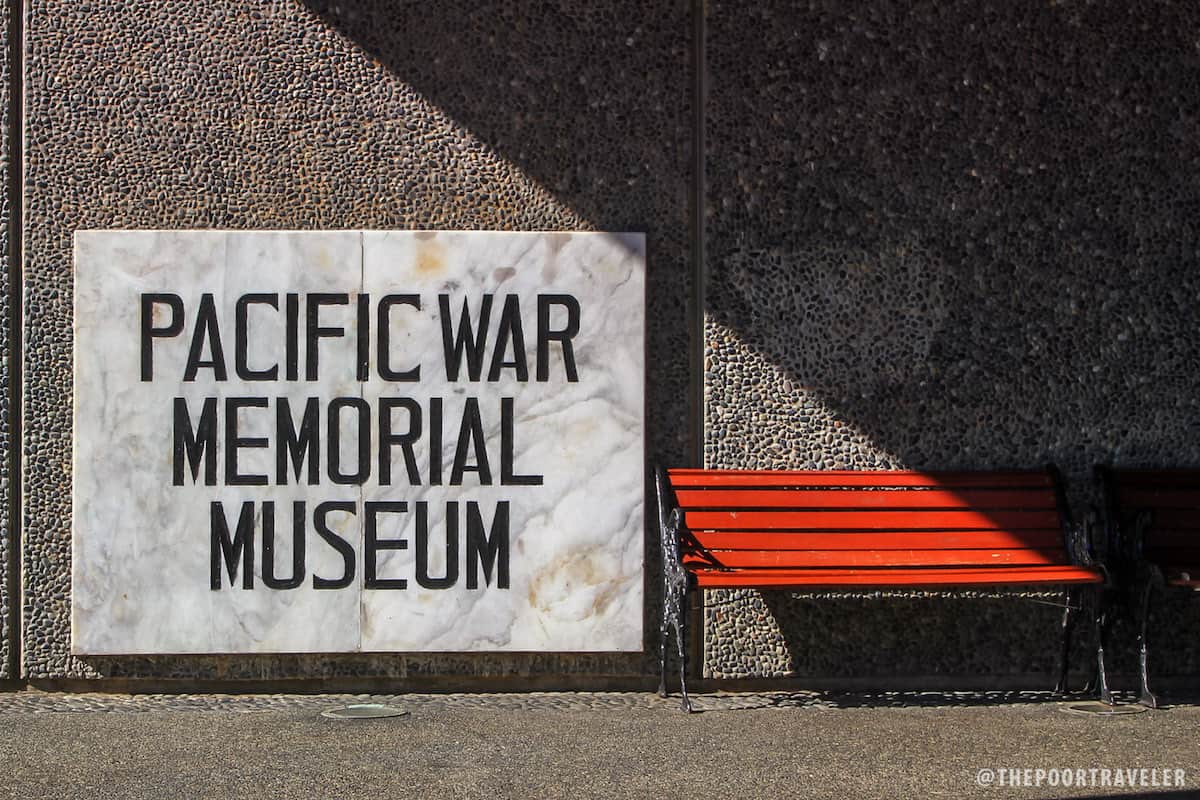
(1134, 499)
(908, 578)
(741, 559)
(1184, 576)
(1174, 519)
(889, 540)
(1182, 539)
(1173, 555)
(886, 478)
(1156, 478)
(900, 498)
(869, 520)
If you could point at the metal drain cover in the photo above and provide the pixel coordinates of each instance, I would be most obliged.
(364, 711)
(1100, 709)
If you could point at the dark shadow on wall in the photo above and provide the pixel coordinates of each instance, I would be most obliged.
(978, 636)
(586, 99)
(971, 232)
(941, 236)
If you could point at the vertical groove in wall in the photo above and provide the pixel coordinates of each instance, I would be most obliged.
(699, 279)
(697, 203)
(16, 163)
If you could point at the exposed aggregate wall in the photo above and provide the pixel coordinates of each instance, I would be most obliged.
(947, 236)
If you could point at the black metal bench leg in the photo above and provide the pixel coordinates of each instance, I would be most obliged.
(1070, 613)
(662, 652)
(1147, 699)
(681, 638)
(1102, 627)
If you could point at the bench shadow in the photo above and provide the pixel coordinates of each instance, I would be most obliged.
(1155, 795)
(725, 701)
(949, 636)
(748, 701)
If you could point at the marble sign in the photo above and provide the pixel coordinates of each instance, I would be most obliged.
(342, 441)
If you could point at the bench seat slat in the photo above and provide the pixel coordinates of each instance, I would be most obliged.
(1164, 555)
(1179, 533)
(1177, 518)
(1156, 479)
(880, 540)
(868, 520)
(911, 578)
(1184, 576)
(1172, 499)
(871, 558)
(1176, 498)
(716, 498)
(681, 478)
(1172, 539)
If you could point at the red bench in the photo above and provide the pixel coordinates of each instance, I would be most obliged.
(855, 531)
(1152, 517)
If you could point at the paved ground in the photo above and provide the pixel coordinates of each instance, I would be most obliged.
(582, 745)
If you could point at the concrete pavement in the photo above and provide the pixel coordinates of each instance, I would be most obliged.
(582, 745)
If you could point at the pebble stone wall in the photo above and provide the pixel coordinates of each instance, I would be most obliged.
(355, 114)
(8, 570)
(953, 235)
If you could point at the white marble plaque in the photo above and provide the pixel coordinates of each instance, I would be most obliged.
(341, 441)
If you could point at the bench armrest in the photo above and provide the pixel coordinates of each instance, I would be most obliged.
(1135, 547)
(1128, 542)
(1141, 568)
(670, 521)
(1081, 541)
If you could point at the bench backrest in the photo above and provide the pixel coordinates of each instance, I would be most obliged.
(1165, 502)
(838, 519)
